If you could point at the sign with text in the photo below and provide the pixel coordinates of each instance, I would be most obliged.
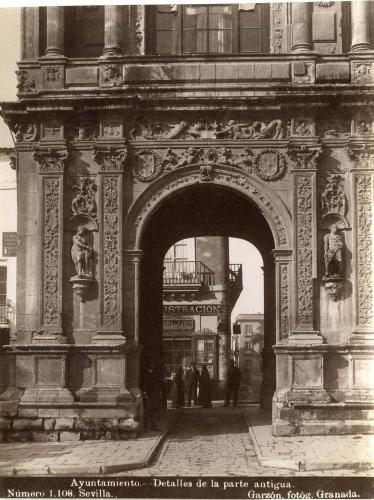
(208, 309)
(10, 242)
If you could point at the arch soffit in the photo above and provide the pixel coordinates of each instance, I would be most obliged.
(275, 212)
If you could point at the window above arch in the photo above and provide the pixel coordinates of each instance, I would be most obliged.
(210, 29)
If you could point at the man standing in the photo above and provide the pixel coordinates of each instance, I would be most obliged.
(232, 384)
(151, 389)
(192, 380)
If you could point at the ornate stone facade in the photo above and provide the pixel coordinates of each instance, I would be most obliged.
(283, 145)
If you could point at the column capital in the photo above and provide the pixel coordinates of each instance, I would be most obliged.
(304, 157)
(133, 255)
(51, 160)
(361, 154)
(110, 158)
(282, 255)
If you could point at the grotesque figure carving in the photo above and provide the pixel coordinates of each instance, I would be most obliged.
(82, 254)
(334, 246)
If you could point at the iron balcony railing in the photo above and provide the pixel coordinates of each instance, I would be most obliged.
(236, 275)
(7, 313)
(191, 272)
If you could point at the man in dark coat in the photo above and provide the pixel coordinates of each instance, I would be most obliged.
(151, 390)
(232, 384)
(192, 381)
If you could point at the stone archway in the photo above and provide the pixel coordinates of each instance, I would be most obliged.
(210, 179)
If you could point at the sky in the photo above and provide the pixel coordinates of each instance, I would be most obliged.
(241, 252)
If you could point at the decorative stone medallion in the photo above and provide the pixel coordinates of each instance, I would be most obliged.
(269, 165)
(147, 165)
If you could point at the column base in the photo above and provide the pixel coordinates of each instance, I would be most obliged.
(108, 338)
(311, 337)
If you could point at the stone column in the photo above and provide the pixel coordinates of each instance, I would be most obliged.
(29, 32)
(55, 32)
(305, 242)
(360, 25)
(112, 30)
(302, 26)
(111, 161)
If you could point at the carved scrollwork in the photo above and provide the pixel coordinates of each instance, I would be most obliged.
(25, 132)
(23, 82)
(304, 249)
(364, 221)
(284, 300)
(304, 157)
(363, 72)
(51, 160)
(53, 73)
(51, 250)
(147, 165)
(110, 159)
(269, 165)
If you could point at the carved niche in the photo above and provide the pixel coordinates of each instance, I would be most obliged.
(364, 224)
(333, 199)
(82, 254)
(83, 205)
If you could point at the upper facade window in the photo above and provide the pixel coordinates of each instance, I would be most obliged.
(211, 29)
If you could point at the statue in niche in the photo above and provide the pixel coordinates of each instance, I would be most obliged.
(82, 254)
(333, 247)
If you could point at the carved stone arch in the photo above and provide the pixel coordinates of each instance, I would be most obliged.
(273, 209)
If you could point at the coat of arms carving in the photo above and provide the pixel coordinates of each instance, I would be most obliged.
(269, 165)
(147, 165)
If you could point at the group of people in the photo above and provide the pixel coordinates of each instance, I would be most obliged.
(188, 387)
(191, 386)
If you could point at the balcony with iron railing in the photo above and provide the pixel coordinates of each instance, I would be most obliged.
(191, 275)
(7, 314)
(235, 281)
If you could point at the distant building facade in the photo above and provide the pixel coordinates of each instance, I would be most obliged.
(247, 348)
(200, 289)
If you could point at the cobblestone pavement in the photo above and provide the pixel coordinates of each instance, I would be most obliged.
(216, 442)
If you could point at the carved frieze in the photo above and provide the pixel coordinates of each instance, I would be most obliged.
(304, 195)
(333, 199)
(149, 129)
(51, 250)
(109, 158)
(364, 224)
(363, 72)
(23, 82)
(82, 132)
(112, 75)
(52, 131)
(334, 129)
(51, 160)
(304, 157)
(25, 132)
(362, 155)
(111, 251)
(269, 165)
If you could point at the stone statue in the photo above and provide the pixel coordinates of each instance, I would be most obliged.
(82, 254)
(333, 253)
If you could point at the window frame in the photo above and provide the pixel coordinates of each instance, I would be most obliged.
(236, 32)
